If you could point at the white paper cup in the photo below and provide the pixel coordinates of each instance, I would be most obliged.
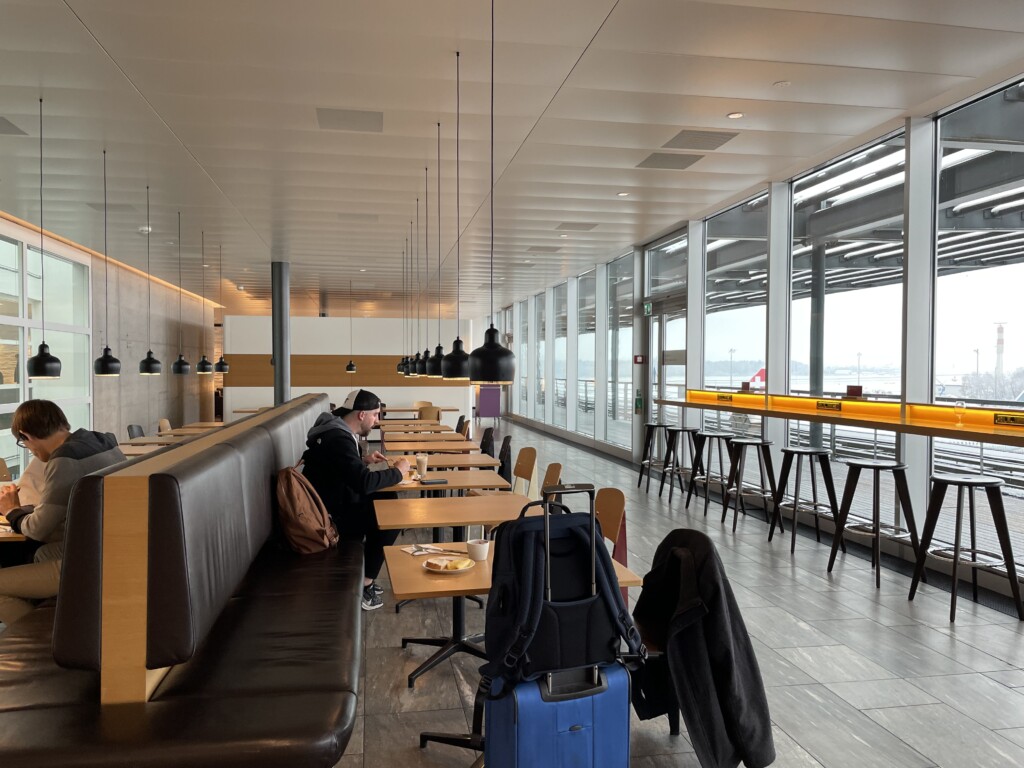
(477, 549)
(421, 463)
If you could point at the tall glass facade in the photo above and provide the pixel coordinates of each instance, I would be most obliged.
(619, 427)
(560, 320)
(586, 352)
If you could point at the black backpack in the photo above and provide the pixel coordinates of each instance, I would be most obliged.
(554, 603)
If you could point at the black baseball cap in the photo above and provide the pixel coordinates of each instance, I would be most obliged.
(358, 400)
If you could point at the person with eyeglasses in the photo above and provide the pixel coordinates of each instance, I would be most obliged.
(41, 427)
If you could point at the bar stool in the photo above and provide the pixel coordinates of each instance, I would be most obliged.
(874, 527)
(674, 463)
(815, 507)
(734, 484)
(713, 441)
(647, 460)
(979, 558)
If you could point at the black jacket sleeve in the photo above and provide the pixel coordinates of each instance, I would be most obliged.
(336, 470)
(356, 475)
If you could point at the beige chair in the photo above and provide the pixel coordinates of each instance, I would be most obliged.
(524, 470)
(465, 430)
(421, 404)
(164, 425)
(430, 413)
(610, 507)
(552, 476)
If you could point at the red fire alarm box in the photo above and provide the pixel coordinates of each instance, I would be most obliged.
(639, 359)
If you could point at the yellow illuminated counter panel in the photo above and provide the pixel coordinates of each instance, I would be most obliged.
(977, 424)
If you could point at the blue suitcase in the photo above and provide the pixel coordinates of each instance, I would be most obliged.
(579, 725)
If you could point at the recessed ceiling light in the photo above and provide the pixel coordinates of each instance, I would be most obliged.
(206, 266)
(734, 115)
(144, 230)
(241, 287)
(782, 84)
(362, 270)
(623, 194)
(563, 235)
(527, 261)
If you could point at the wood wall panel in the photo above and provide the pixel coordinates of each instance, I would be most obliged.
(327, 371)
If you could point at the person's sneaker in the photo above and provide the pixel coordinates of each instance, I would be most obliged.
(377, 588)
(371, 600)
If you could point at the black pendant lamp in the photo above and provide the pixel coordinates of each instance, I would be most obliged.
(149, 365)
(434, 364)
(42, 365)
(455, 365)
(106, 364)
(181, 366)
(491, 363)
(221, 366)
(351, 367)
(204, 367)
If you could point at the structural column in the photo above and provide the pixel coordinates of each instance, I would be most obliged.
(695, 256)
(281, 331)
(780, 291)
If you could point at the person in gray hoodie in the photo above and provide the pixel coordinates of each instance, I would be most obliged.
(42, 428)
(347, 485)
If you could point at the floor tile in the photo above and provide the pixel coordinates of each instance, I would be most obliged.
(1011, 678)
(387, 689)
(790, 754)
(873, 694)
(834, 664)
(944, 643)
(392, 740)
(777, 628)
(980, 698)
(776, 670)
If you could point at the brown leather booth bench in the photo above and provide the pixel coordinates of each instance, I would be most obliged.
(184, 635)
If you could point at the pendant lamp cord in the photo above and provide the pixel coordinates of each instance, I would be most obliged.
(458, 199)
(179, 284)
(106, 260)
(42, 255)
(202, 246)
(419, 281)
(492, 163)
(438, 234)
(426, 256)
(149, 278)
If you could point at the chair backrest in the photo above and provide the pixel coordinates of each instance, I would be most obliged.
(164, 425)
(487, 442)
(421, 404)
(5, 472)
(430, 412)
(505, 457)
(464, 430)
(610, 506)
(459, 423)
(552, 475)
(525, 468)
(135, 430)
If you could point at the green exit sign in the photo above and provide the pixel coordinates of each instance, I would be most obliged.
(648, 308)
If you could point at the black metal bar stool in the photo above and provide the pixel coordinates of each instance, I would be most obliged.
(707, 475)
(874, 526)
(647, 460)
(979, 558)
(674, 464)
(734, 484)
(814, 507)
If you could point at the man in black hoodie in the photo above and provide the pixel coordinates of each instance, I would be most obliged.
(42, 428)
(346, 483)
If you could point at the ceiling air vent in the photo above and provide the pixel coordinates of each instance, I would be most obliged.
(349, 120)
(576, 226)
(543, 249)
(669, 162)
(705, 140)
(7, 128)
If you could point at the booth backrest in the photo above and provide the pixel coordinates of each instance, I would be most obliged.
(209, 515)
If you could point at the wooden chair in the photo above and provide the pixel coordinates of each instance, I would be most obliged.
(487, 442)
(164, 425)
(525, 469)
(135, 430)
(610, 506)
(430, 412)
(5, 472)
(421, 404)
(552, 476)
(464, 430)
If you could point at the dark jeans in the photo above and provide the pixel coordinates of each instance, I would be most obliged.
(360, 524)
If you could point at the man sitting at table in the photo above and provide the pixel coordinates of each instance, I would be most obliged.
(346, 483)
(42, 428)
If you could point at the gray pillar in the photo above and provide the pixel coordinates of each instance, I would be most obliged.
(817, 363)
(281, 332)
(780, 282)
(696, 255)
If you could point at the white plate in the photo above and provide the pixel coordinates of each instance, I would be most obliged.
(446, 572)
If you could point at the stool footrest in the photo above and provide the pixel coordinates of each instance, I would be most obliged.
(808, 507)
(884, 529)
(991, 559)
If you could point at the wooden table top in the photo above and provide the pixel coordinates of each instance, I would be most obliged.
(410, 580)
(437, 446)
(465, 510)
(455, 460)
(9, 535)
(155, 440)
(251, 410)
(410, 409)
(460, 480)
(414, 426)
(185, 431)
(400, 422)
(204, 425)
(422, 437)
(138, 450)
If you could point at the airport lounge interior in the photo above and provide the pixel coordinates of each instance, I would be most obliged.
(512, 383)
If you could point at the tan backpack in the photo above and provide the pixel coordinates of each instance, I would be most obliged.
(304, 518)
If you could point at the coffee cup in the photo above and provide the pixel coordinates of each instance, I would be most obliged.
(477, 549)
(421, 464)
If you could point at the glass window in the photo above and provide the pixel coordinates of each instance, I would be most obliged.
(67, 290)
(541, 323)
(560, 317)
(12, 455)
(10, 278)
(522, 364)
(847, 273)
(666, 266)
(586, 330)
(76, 365)
(620, 352)
(10, 364)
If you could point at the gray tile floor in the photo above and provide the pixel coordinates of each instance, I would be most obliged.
(855, 677)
